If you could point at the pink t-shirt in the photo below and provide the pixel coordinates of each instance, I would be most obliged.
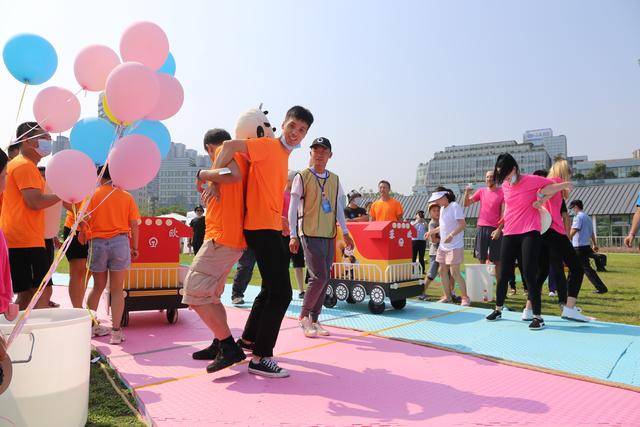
(490, 206)
(520, 216)
(6, 291)
(553, 205)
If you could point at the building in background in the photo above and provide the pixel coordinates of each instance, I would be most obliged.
(457, 166)
(613, 168)
(556, 146)
(60, 143)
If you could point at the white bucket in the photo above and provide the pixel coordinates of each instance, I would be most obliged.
(50, 357)
(479, 283)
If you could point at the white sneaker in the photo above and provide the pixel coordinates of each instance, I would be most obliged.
(117, 336)
(307, 328)
(527, 315)
(574, 314)
(320, 330)
(99, 330)
(552, 294)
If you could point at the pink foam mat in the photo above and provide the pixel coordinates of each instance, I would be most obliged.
(351, 378)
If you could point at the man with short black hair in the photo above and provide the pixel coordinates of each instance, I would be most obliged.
(386, 208)
(263, 226)
(353, 212)
(582, 236)
(22, 219)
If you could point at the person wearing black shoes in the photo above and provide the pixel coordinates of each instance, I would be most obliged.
(521, 231)
(582, 237)
(222, 247)
(263, 226)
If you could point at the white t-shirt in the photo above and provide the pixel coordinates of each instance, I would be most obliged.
(449, 217)
(52, 216)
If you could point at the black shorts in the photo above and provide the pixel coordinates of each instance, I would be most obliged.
(28, 267)
(485, 247)
(296, 259)
(76, 250)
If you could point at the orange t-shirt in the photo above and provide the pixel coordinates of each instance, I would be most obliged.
(224, 218)
(389, 210)
(265, 184)
(112, 211)
(22, 226)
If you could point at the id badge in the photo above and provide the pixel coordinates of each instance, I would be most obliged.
(326, 206)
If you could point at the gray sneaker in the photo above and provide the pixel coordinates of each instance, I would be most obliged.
(237, 300)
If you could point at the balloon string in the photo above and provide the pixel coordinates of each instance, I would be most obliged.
(24, 91)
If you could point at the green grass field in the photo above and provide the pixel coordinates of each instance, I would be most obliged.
(620, 304)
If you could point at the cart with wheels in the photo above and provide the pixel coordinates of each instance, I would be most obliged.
(379, 267)
(154, 280)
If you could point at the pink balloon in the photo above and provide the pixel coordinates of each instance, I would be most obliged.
(145, 42)
(170, 98)
(71, 175)
(93, 65)
(133, 162)
(56, 109)
(132, 90)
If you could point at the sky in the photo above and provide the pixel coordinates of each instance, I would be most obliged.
(389, 82)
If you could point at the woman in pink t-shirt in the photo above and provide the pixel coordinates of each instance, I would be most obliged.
(558, 250)
(521, 231)
(9, 310)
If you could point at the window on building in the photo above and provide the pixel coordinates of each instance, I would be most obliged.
(603, 225)
(620, 225)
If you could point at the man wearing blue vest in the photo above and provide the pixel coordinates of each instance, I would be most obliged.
(317, 202)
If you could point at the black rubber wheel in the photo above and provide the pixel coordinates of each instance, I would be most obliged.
(376, 308)
(172, 315)
(350, 300)
(330, 301)
(125, 319)
(399, 304)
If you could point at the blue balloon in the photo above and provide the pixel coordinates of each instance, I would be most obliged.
(93, 136)
(30, 58)
(169, 66)
(153, 130)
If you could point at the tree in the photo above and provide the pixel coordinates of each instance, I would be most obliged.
(578, 177)
(172, 209)
(634, 174)
(600, 171)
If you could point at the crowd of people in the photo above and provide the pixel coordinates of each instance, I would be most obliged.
(260, 212)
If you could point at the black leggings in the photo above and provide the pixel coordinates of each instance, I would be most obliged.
(419, 247)
(557, 250)
(527, 245)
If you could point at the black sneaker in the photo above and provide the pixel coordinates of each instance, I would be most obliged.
(601, 291)
(495, 315)
(301, 295)
(243, 345)
(536, 324)
(267, 367)
(208, 353)
(422, 297)
(227, 356)
(456, 299)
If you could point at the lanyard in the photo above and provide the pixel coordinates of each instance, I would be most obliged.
(321, 185)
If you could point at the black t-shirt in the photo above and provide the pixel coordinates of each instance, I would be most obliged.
(563, 208)
(198, 226)
(351, 213)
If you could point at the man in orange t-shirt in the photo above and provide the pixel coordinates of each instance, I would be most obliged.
(386, 208)
(113, 216)
(22, 218)
(263, 229)
(221, 249)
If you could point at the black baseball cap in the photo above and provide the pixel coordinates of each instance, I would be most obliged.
(322, 141)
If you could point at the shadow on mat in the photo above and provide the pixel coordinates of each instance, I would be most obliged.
(379, 394)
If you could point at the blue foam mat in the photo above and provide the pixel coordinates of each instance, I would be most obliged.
(600, 350)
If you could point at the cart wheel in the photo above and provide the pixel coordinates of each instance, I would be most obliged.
(376, 308)
(172, 315)
(330, 301)
(358, 294)
(399, 304)
(125, 319)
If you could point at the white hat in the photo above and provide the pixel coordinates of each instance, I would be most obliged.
(437, 195)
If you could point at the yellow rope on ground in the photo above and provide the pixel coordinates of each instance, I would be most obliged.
(125, 399)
